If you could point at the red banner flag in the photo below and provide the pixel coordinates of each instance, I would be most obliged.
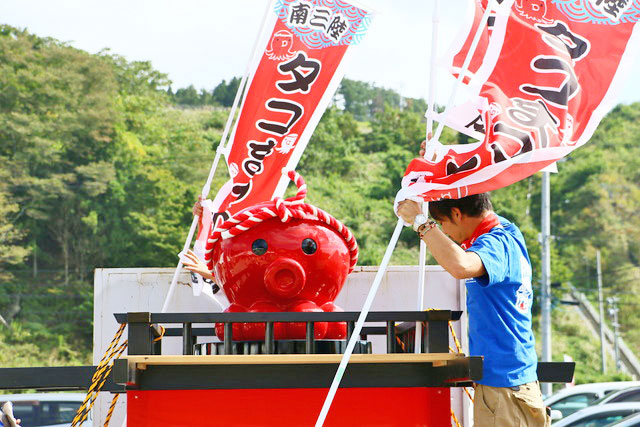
(293, 81)
(559, 67)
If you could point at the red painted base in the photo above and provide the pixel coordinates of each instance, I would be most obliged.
(411, 406)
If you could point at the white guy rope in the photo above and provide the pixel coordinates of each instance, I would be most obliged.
(355, 336)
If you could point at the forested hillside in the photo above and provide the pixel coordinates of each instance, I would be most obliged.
(101, 160)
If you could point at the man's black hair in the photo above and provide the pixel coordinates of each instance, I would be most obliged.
(471, 206)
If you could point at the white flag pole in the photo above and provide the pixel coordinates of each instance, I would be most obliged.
(463, 70)
(432, 66)
(356, 331)
(435, 19)
(394, 240)
(222, 149)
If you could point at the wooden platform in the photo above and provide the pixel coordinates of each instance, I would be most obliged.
(437, 359)
(147, 372)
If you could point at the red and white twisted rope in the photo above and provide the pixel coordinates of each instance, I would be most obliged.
(285, 209)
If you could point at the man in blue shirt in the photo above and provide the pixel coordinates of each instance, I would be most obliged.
(489, 253)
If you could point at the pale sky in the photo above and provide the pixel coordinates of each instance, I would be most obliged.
(201, 42)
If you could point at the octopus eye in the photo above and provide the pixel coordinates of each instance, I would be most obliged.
(259, 247)
(309, 246)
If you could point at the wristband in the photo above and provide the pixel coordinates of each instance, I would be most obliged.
(424, 228)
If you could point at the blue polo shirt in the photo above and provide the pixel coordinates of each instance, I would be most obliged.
(499, 308)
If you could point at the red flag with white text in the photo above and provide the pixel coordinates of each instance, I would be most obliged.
(558, 66)
(293, 81)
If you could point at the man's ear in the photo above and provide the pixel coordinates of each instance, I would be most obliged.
(456, 214)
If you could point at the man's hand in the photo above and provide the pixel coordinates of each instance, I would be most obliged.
(408, 210)
(6, 416)
(460, 264)
(196, 265)
(197, 207)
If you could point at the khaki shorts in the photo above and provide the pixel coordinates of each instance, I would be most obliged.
(509, 406)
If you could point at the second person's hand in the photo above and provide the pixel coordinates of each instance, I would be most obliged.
(196, 265)
(423, 144)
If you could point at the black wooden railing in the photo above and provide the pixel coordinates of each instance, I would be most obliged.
(143, 329)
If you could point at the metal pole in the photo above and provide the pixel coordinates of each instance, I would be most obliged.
(602, 354)
(425, 206)
(613, 312)
(422, 278)
(545, 321)
(616, 332)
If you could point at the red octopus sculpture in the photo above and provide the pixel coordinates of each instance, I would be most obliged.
(282, 255)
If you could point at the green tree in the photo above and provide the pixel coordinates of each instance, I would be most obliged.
(333, 144)
(12, 251)
(187, 96)
(57, 124)
(225, 93)
(364, 100)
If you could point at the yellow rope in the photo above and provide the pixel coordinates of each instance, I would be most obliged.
(468, 394)
(455, 337)
(458, 350)
(100, 376)
(117, 395)
(121, 350)
(112, 345)
(162, 331)
(81, 414)
(455, 420)
(111, 408)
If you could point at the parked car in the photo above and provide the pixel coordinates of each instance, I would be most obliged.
(599, 415)
(46, 409)
(630, 394)
(632, 420)
(572, 399)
